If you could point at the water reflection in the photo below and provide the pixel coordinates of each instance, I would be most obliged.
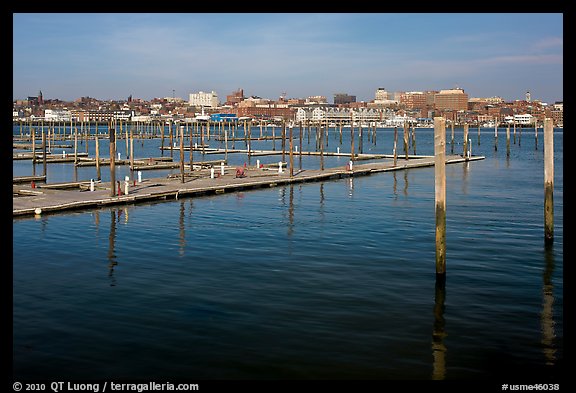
(547, 317)
(182, 229)
(439, 331)
(111, 248)
(405, 183)
(291, 211)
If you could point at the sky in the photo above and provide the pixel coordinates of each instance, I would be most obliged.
(111, 56)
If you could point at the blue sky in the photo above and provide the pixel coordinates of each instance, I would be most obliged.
(112, 56)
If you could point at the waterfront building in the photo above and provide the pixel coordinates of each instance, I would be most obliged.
(452, 99)
(203, 99)
(57, 115)
(235, 98)
(413, 99)
(381, 94)
(343, 98)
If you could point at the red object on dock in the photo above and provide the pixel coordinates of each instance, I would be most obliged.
(33, 185)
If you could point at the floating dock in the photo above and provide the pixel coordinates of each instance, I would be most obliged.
(46, 198)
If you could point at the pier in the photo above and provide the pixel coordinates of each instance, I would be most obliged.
(44, 198)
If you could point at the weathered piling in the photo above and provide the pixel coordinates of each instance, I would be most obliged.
(321, 150)
(496, 136)
(300, 142)
(352, 141)
(440, 192)
(413, 139)
(33, 136)
(465, 141)
(548, 181)
(452, 137)
(536, 134)
(508, 140)
(75, 145)
(394, 152)
(291, 152)
(97, 147)
(44, 152)
(182, 154)
(112, 133)
(406, 140)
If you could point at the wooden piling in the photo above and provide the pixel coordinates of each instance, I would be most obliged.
(352, 141)
(97, 147)
(291, 152)
(496, 136)
(413, 139)
(465, 150)
(406, 140)
(171, 136)
(508, 140)
(75, 145)
(33, 136)
(536, 134)
(548, 181)
(283, 140)
(440, 192)
(44, 152)
(112, 133)
(394, 151)
(131, 148)
(300, 141)
(182, 154)
(321, 150)
(452, 136)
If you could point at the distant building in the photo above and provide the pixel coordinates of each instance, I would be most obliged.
(204, 99)
(381, 94)
(343, 98)
(453, 99)
(234, 98)
(413, 99)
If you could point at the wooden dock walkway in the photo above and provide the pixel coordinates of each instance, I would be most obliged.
(46, 199)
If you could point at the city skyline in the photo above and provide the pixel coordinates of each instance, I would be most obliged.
(112, 56)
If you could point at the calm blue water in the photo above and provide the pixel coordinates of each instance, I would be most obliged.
(332, 280)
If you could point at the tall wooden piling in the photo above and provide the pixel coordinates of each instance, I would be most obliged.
(321, 150)
(548, 181)
(33, 136)
(352, 141)
(291, 151)
(112, 133)
(413, 139)
(508, 140)
(536, 134)
(171, 136)
(394, 151)
(452, 136)
(44, 152)
(465, 150)
(182, 154)
(97, 147)
(496, 136)
(406, 140)
(75, 145)
(300, 142)
(440, 192)
(283, 140)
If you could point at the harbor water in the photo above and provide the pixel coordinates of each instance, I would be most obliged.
(327, 280)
